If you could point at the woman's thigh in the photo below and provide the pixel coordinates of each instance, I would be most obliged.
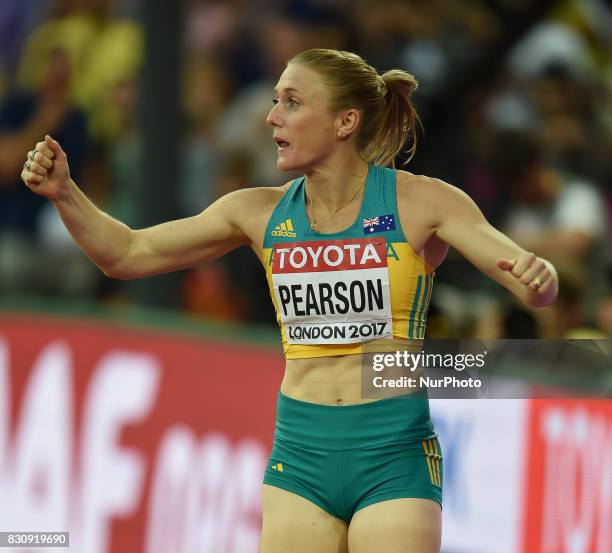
(294, 524)
(397, 526)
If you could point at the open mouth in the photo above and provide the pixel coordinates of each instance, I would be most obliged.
(282, 144)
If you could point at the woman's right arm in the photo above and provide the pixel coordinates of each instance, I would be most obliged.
(121, 252)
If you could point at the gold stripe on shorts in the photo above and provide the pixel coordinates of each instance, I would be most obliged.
(433, 461)
(438, 462)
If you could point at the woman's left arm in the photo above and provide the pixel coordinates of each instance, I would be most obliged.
(460, 223)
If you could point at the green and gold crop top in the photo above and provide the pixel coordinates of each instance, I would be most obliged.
(332, 292)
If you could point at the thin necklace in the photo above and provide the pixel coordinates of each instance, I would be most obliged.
(314, 221)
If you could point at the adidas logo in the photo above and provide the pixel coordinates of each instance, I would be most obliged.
(284, 229)
(278, 467)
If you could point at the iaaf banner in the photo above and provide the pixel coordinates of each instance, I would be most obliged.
(133, 441)
(569, 478)
(526, 476)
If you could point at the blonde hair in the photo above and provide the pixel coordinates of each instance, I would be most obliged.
(388, 116)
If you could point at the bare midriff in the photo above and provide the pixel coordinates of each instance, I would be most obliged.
(333, 380)
(325, 380)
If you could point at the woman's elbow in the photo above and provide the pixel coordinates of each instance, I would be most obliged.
(117, 271)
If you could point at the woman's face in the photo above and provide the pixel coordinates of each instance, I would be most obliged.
(304, 127)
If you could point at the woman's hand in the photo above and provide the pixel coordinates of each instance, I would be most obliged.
(46, 170)
(531, 271)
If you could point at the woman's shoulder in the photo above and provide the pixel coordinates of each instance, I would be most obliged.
(433, 198)
(250, 208)
(259, 197)
(411, 187)
(429, 198)
(416, 183)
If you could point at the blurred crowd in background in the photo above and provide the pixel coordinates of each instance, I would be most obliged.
(515, 97)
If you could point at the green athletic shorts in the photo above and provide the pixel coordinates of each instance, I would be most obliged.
(344, 458)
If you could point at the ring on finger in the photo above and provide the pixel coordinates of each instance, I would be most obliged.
(536, 282)
(27, 165)
(32, 153)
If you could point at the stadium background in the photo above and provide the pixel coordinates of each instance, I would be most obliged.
(138, 415)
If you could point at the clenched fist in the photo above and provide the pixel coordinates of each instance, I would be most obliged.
(46, 170)
(530, 270)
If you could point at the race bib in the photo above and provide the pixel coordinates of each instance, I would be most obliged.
(333, 291)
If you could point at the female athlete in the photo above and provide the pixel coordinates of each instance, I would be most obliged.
(350, 251)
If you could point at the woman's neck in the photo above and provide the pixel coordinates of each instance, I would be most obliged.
(333, 184)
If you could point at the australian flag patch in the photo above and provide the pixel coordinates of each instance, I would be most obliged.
(381, 223)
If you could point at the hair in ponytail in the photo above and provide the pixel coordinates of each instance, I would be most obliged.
(388, 118)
